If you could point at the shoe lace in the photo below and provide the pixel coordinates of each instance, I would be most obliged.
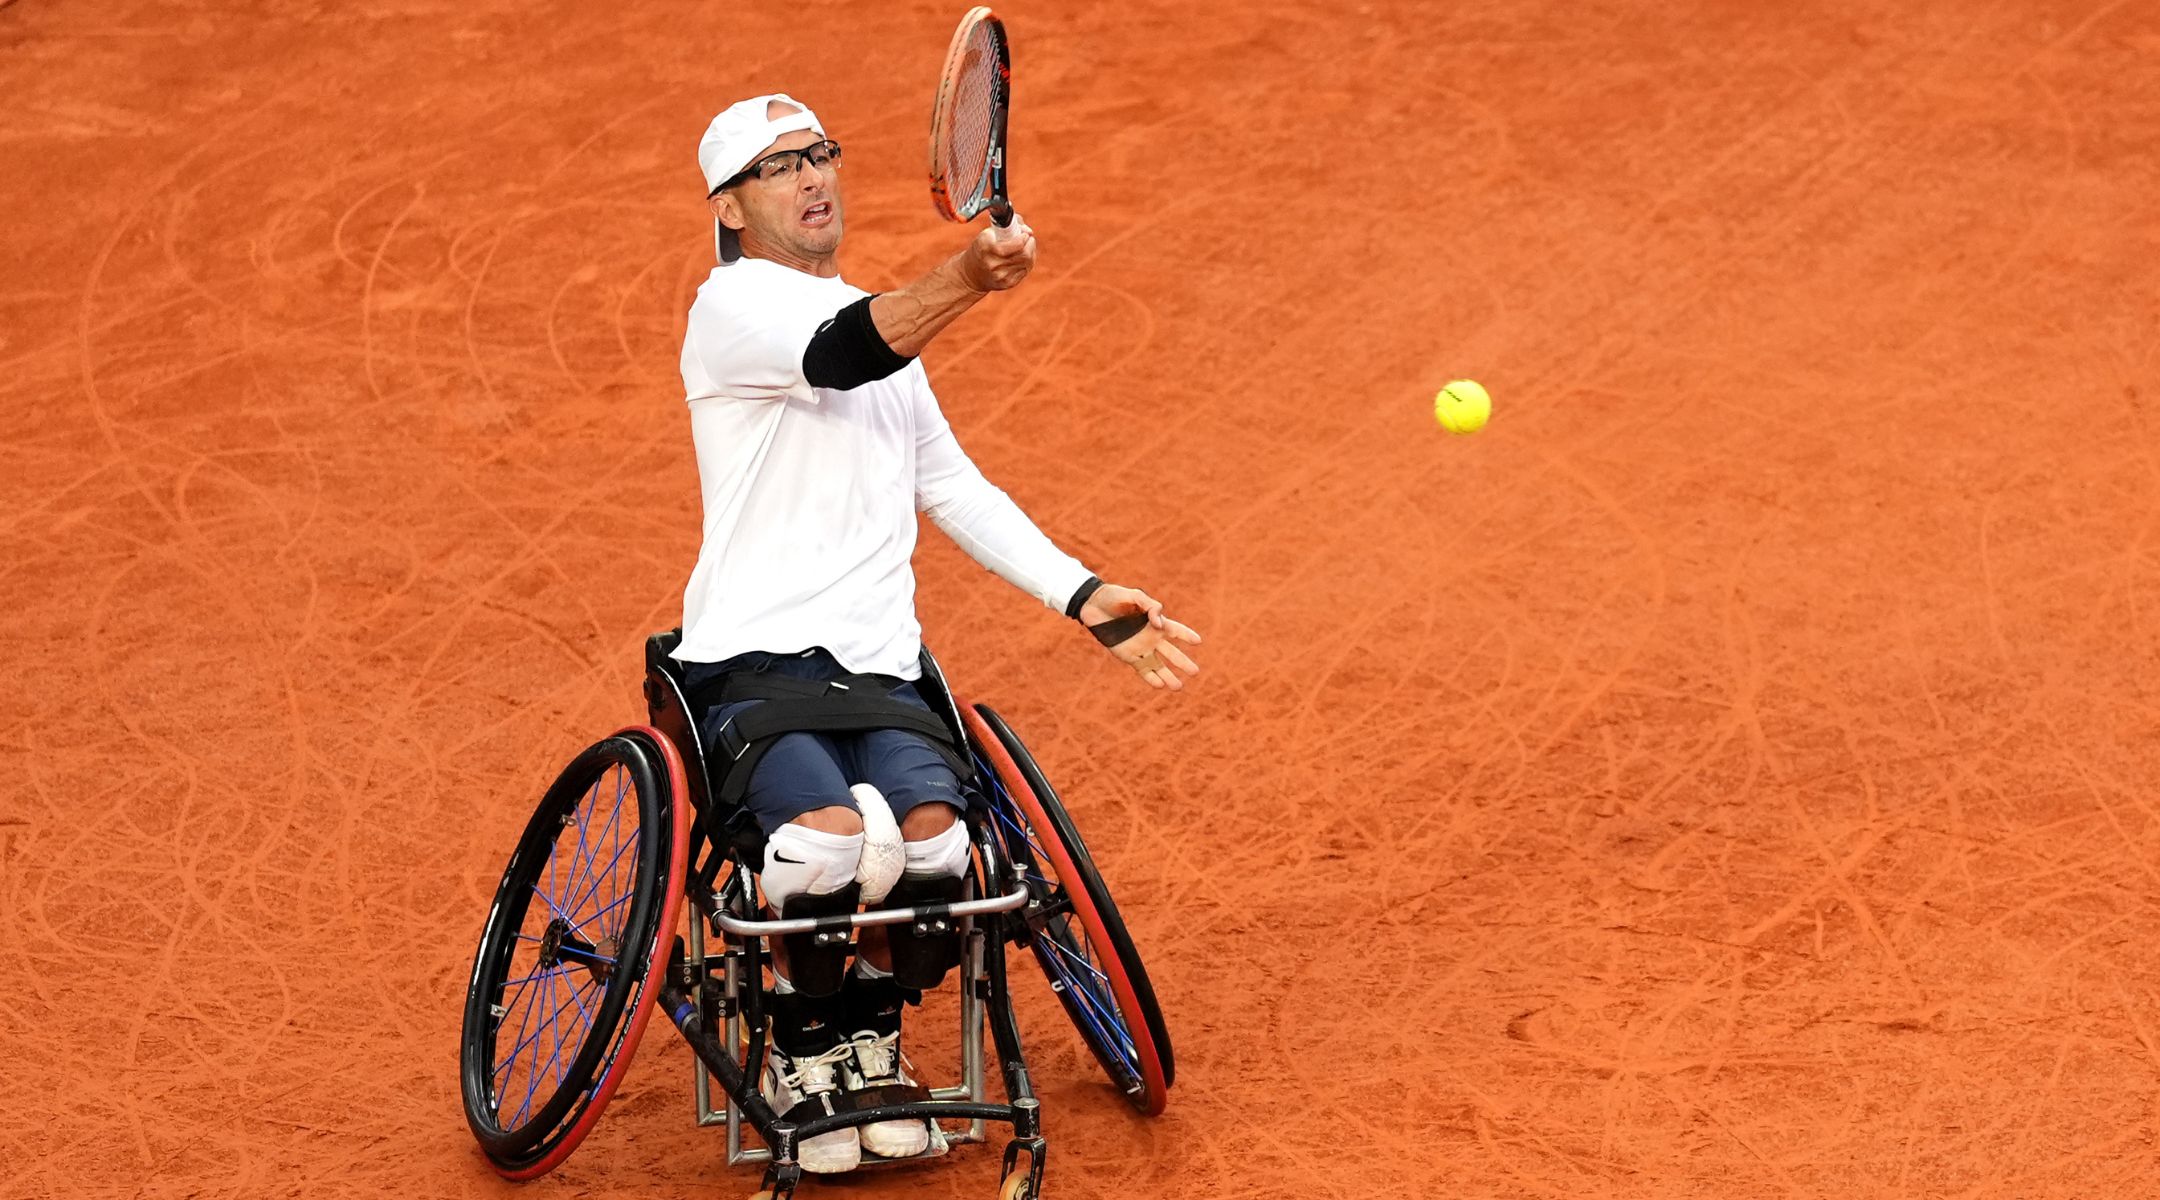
(876, 1055)
(812, 1075)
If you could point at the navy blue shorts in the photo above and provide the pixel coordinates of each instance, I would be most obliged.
(806, 771)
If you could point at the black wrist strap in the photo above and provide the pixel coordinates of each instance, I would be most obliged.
(1110, 632)
(1081, 595)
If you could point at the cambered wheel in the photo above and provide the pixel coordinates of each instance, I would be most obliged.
(1073, 926)
(580, 924)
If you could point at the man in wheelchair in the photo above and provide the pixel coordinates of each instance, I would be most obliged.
(817, 439)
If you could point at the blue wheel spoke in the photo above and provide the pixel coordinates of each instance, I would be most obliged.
(609, 831)
(541, 1070)
(1091, 1012)
(576, 862)
(1103, 994)
(556, 1059)
(581, 894)
(586, 1023)
(555, 1055)
(510, 1059)
(554, 908)
(580, 900)
(615, 881)
(618, 903)
(581, 863)
(577, 818)
(513, 992)
(1086, 964)
(1105, 1019)
(522, 980)
(1100, 1003)
(532, 1073)
(538, 1069)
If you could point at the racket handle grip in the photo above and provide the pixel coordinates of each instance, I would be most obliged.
(1002, 214)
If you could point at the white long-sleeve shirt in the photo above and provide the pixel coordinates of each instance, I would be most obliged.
(810, 493)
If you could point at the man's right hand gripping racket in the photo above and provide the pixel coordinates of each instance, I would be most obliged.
(967, 122)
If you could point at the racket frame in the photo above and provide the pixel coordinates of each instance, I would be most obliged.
(991, 196)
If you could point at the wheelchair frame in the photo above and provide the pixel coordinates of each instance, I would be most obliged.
(730, 911)
(1030, 882)
(974, 984)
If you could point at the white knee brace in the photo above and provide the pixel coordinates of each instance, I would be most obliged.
(805, 862)
(882, 857)
(942, 857)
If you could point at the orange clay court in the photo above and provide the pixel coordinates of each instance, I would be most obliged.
(1732, 773)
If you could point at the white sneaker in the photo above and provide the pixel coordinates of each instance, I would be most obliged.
(876, 1060)
(790, 1081)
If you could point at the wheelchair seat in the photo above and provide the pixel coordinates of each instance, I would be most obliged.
(667, 700)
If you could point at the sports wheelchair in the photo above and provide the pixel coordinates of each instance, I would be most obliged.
(587, 936)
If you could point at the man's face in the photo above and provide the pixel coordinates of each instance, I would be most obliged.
(798, 210)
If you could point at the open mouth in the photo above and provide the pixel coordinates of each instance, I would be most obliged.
(818, 214)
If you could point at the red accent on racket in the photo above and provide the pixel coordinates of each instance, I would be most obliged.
(967, 122)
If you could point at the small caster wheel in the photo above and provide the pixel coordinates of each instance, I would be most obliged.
(1017, 1187)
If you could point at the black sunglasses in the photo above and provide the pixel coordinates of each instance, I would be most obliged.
(783, 164)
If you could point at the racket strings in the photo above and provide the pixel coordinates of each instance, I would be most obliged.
(967, 142)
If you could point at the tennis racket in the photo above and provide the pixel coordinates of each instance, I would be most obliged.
(967, 122)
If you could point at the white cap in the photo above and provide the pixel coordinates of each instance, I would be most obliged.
(733, 141)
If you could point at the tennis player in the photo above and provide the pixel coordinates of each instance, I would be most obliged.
(817, 439)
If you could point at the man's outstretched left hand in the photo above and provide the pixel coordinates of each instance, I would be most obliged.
(1154, 653)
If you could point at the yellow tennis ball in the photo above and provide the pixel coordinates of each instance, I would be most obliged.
(1462, 407)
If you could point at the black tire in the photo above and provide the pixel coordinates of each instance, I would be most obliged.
(566, 979)
(1077, 934)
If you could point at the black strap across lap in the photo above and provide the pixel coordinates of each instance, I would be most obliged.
(784, 705)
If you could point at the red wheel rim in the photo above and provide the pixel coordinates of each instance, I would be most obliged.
(1083, 906)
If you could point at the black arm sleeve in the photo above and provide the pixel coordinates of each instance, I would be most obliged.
(847, 351)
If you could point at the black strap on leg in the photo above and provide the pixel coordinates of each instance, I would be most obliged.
(875, 1004)
(929, 946)
(804, 1025)
(817, 961)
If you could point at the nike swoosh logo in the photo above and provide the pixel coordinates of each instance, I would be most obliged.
(779, 857)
